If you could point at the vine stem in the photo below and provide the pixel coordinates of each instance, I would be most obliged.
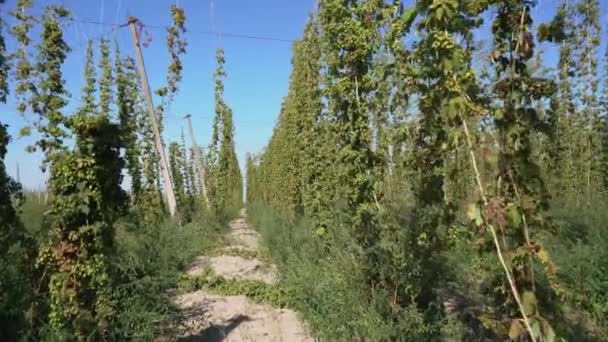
(493, 231)
(523, 214)
(525, 225)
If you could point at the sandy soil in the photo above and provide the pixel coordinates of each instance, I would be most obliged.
(234, 267)
(235, 318)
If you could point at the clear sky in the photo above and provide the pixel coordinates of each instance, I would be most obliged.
(258, 70)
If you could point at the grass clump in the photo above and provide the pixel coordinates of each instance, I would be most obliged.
(148, 262)
(579, 246)
(327, 285)
(574, 298)
(258, 291)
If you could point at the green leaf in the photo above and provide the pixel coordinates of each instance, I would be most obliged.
(514, 215)
(499, 114)
(529, 302)
(474, 214)
(439, 13)
(84, 209)
(409, 16)
(545, 259)
(516, 330)
(548, 332)
(25, 131)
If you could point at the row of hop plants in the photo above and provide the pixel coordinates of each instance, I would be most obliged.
(391, 131)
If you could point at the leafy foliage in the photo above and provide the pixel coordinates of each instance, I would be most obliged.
(258, 291)
(87, 198)
(148, 260)
(16, 258)
(414, 152)
(106, 80)
(177, 46)
(51, 96)
(89, 104)
(179, 165)
(327, 285)
(25, 71)
(224, 179)
(128, 99)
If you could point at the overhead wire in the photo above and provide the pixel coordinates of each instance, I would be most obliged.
(82, 45)
(118, 8)
(80, 32)
(101, 12)
(213, 20)
(208, 33)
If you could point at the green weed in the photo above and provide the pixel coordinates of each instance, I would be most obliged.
(148, 263)
(259, 292)
(327, 285)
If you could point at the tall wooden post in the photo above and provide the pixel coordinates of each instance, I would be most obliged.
(168, 184)
(197, 160)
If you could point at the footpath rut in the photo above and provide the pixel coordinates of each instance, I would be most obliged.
(212, 317)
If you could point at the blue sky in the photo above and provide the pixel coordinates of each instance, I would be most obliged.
(258, 70)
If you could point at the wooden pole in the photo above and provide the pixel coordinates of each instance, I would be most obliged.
(168, 184)
(197, 160)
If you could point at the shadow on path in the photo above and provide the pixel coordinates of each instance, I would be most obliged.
(216, 333)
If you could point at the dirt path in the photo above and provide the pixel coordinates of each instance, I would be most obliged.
(210, 317)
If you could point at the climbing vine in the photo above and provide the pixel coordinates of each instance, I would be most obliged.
(24, 71)
(106, 79)
(351, 34)
(224, 175)
(86, 193)
(561, 140)
(152, 209)
(128, 100)
(89, 105)
(178, 166)
(516, 208)
(176, 44)
(585, 49)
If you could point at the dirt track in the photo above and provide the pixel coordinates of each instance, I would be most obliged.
(210, 317)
